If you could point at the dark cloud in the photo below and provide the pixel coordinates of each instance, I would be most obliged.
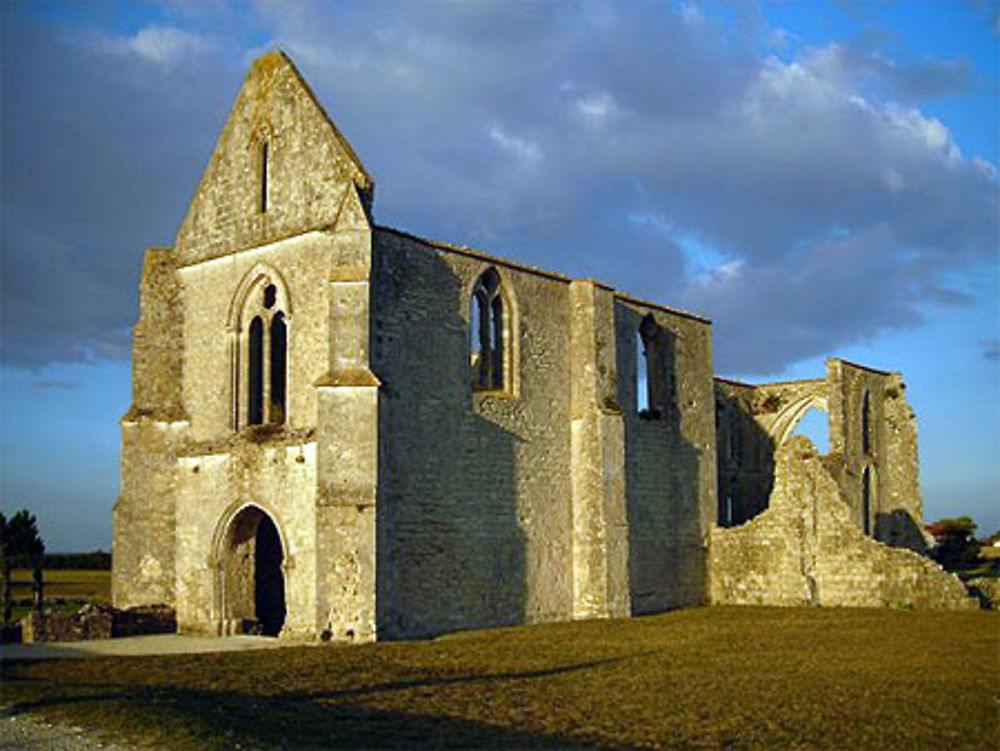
(102, 147)
(593, 138)
(991, 349)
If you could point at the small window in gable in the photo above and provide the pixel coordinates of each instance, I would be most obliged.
(490, 339)
(263, 170)
(866, 423)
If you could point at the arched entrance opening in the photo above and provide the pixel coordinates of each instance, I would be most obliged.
(251, 574)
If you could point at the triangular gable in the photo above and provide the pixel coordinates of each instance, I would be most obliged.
(279, 168)
(351, 212)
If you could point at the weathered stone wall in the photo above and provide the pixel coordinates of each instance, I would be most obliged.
(600, 537)
(807, 549)
(143, 519)
(899, 520)
(184, 479)
(848, 386)
(276, 475)
(475, 502)
(670, 460)
(309, 166)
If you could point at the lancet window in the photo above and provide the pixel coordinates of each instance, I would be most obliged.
(260, 351)
(490, 340)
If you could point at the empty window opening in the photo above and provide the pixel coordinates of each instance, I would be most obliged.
(866, 424)
(641, 375)
(655, 356)
(866, 501)
(815, 426)
(278, 364)
(270, 295)
(264, 167)
(489, 339)
(255, 373)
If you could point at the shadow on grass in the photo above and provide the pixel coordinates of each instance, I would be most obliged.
(196, 718)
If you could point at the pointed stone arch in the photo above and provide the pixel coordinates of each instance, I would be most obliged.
(257, 278)
(250, 561)
(493, 319)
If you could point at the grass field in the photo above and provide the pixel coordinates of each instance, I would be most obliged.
(65, 589)
(705, 678)
(68, 584)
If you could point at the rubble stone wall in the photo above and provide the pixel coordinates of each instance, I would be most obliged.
(806, 549)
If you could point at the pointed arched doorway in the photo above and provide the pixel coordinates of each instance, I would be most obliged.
(251, 577)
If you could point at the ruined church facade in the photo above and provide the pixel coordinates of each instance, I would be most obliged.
(340, 430)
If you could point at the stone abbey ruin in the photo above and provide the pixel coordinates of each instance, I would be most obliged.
(342, 431)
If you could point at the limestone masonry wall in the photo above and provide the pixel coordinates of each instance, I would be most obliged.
(669, 457)
(475, 503)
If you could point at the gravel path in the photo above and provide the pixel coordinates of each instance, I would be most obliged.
(23, 732)
(26, 732)
(158, 644)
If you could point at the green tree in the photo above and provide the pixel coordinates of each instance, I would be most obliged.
(21, 545)
(956, 542)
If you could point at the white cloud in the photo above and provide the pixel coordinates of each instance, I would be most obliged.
(666, 131)
(524, 152)
(597, 108)
(162, 45)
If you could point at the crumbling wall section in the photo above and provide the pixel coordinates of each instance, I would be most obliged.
(806, 549)
(857, 441)
(900, 518)
(143, 518)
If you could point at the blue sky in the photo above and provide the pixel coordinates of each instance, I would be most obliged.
(817, 178)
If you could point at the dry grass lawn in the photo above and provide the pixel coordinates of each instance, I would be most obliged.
(704, 678)
(68, 584)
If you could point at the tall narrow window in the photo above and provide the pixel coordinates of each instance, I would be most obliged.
(276, 414)
(641, 375)
(489, 344)
(255, 373)
(866, 501)
(866, 423)
(264, 167)
(655, 356)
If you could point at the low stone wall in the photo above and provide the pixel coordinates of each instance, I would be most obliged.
(97, 622)
(987, 589)
(805, 550)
